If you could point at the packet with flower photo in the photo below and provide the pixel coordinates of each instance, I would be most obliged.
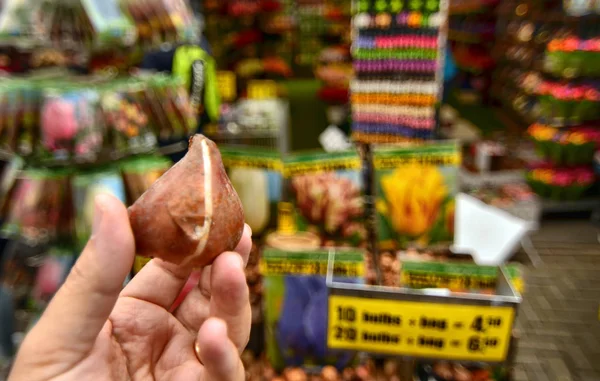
(296, 305)
(255, 174)
(326, 190)
(70, 122)
(126, 118)
(85, 187)
(415, 188)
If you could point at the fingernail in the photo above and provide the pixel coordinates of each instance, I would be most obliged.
(99, 204)
(249, 230)
(240, 261)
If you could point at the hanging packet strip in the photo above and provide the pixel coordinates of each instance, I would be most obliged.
(70, 122)
(38, 208)
(326, 189)
(138, 14)
(178, 16)
(18, 18)
(256, 177)
(85, 189)
(295, 305)
(126, 118)
(458, 277)
(108, 21)
(141, 172)
(415, 188)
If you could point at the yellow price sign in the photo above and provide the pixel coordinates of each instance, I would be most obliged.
(262, 89)
(226, 83)
(420, 329)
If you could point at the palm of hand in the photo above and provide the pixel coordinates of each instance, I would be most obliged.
(95, 330)
(142, 341)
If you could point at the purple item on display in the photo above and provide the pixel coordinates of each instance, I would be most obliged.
(411, 122)
(290, 332)
(365, 43)
(390, 129)
(422, 66)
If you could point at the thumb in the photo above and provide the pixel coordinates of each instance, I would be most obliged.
(82, 305)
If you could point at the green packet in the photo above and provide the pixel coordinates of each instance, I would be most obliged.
(139, 173)
(37, 206)
(256, 177)
(109, 22)
(415, 187)
(326, 190)
(296, 305)
(457, 276)
(85, 188)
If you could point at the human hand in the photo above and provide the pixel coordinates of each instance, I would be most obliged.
(93, 329)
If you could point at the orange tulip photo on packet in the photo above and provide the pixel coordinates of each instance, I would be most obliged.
(415, 190)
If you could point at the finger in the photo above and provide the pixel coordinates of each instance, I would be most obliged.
(217, 353)
(245, 245)
(161, 283)
(227, 299)
(230, 297)
(158, 282)
(190, 285)
(194, 308)
(81, 306)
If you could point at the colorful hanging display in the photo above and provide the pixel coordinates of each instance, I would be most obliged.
(86, 117)
(397, 61)
(82, 24)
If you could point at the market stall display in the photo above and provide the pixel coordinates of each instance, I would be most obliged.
(397, 57)
(355, 271)
(471, 37)
(93, 24)
(86, 118)
(327, 193)
(415, 190)
(566, 129)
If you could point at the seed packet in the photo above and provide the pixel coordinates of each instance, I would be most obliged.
(71, 123)
(38, 207)
(126, 119)
(86, 186)
(26, 120)
(139, 16)
(256, 176)
(327, 191)
(50, 275)
(155, 98)
(18, 18)
(456, 276)
(154, 13)
(415, 190)
(9, 128)
(177, 18)
(10, 170)
(108, 22)
(141, 172)
(180, 106)
(296, 303)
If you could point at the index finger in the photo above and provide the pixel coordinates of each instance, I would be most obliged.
(160, 282)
